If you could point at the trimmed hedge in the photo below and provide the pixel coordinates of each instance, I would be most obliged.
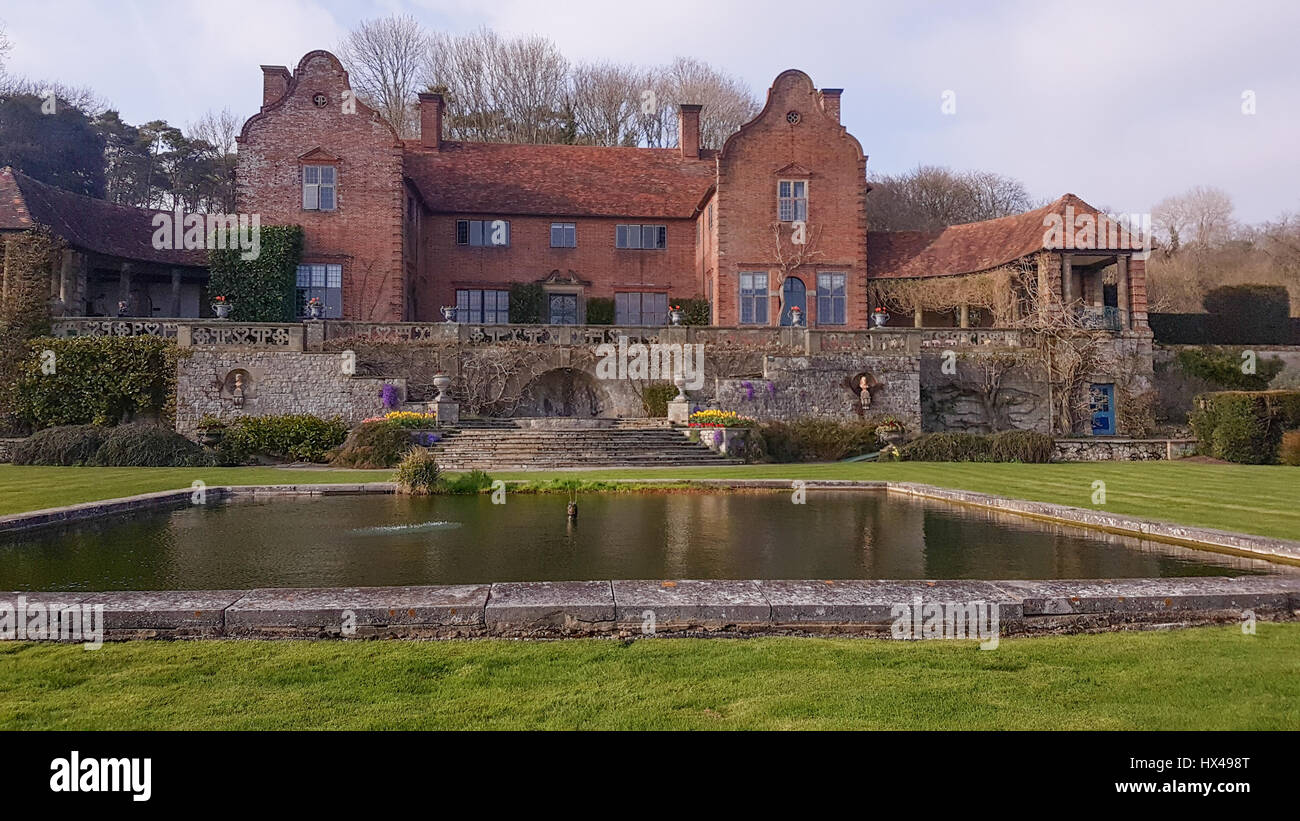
(64, 445)
(527, 303)
(1248, 314)
(148, 446)
(1025, 446)
(373, 445)
(1289, 452)
(600, 310)
(261, 289)
(1244, 426)
(1222, 367)
(98, 380)
(817, 440)
(298, 437)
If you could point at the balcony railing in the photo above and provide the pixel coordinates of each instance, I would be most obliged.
(1098, 318)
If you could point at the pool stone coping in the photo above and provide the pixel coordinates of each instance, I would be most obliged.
(674, 608)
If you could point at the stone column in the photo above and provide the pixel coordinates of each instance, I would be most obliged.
(1121, 292)
(1067, 279)
(963, 316)
(68, 281)
(176, 292)
(918, 318)
(124, 287)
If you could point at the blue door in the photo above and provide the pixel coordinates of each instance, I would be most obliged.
(1102, 399)
(796, 296)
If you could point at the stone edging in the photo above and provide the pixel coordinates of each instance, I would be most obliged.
(673, 608)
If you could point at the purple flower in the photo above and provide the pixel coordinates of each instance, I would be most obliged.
(771, 388)
(388, 393)
(749, 389)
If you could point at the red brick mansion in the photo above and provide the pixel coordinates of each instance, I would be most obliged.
(396, 229)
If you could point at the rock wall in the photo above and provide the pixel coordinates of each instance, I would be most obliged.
(273, 382)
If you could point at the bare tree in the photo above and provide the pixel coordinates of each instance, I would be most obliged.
(929, 198)
(605, 99)
(501, 90)
(219, 129)
(728, 102)
(793, 247)
(5, 46)
(385, 59)
(1201, 216)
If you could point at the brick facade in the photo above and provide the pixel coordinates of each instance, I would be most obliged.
(394, 225)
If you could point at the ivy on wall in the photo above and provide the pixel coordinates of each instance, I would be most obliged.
(99, 380)
(527, 300)
(260, 289)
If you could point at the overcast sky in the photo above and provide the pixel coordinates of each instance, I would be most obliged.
(1121, 103)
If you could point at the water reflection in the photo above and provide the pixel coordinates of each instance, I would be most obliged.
(390, 540)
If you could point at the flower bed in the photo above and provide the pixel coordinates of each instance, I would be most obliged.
(720, 419)
(407, 419)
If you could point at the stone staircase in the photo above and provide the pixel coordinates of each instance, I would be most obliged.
(538, 444)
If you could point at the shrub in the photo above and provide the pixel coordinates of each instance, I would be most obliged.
(417, 473)
(64, 445)
(146, 445)
(300, 437)
(527, 301)
(1222, 367)
(1289, 451)
(261, 289)
(100, 380)
(373, 445)
(600, 310)
(818, 440)
(655, 398)
(1249, 314)
(1244, 426)
(1006, 446)
(476, 481)
(695, 311)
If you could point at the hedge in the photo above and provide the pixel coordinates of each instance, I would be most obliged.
(373, 445)
(817, 440)
(1244, 426)
(100, 380)
(600, 311)
(527, 303)
(299, 437)
(64, 446)
(1222, 367)
(261, 289)
(151, 446)
(1007, 446)
(1248, 314)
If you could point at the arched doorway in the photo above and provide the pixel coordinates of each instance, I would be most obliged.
(562, 392)
(794, 295)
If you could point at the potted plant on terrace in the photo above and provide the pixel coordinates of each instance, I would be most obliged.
(890, 431)
(879, 317)
(314, 308)
(675, 314)
(221, 307)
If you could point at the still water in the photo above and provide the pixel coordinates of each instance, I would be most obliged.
(370, 540)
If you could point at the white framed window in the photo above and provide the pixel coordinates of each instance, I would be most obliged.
(485, 307)
(832, 298)
(753, 298)
(564, 235)
(483, 233)
(632, 308)
(644, 237)
(319, 186)
(323, 282)
(792, 200)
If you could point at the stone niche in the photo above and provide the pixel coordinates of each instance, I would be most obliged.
(827, 385)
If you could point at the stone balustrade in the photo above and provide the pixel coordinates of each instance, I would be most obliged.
(105, 326)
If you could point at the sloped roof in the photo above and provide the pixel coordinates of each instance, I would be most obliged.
(560, 180)
(975, 246)
(84, 222)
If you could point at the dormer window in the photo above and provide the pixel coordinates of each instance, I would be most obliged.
(792, 200)
(318, 187)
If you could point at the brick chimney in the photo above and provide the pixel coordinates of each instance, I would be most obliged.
(688, 129)
(831, 102)
(431, 106)
(275, 82)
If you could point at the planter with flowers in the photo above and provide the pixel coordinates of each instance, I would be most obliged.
(725, 432)
(314, 308)
(221, 307)
(891, 432)
(879, 317)
(675, 314)
(796, 316)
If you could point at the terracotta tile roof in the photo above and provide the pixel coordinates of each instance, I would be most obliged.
(560, 180)
(85, 223)
(974, 246)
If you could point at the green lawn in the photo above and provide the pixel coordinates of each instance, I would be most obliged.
(1247, 498)
(1203, 678)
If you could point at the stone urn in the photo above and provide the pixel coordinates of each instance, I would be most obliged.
(879, 318)
(675, 317)
(796, 317)
(680, 381)
(442, 382)
(221, 309)
(314, 310)
(449, 313)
